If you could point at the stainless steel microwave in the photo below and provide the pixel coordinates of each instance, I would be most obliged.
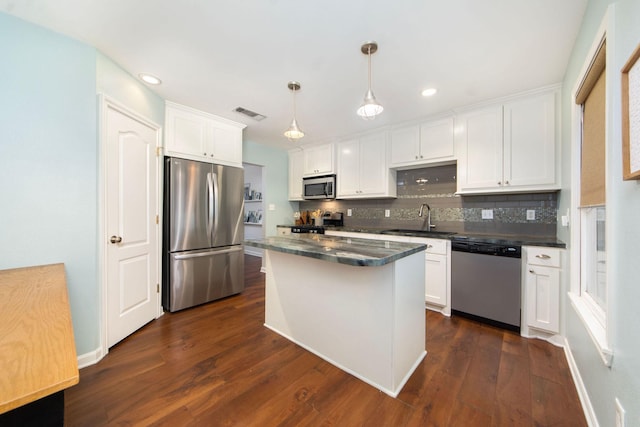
(319, 187)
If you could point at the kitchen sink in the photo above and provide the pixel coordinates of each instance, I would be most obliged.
(416, 233)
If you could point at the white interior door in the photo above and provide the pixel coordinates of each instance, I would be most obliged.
(131, 230)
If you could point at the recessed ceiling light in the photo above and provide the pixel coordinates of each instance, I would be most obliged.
(150, 78)
(429, 92)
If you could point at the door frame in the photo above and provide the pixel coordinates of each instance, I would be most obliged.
(104, 103)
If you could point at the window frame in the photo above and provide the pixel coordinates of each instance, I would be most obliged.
(593, 316)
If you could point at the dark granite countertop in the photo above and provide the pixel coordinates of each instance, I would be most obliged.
(472, 237)
(343, 250)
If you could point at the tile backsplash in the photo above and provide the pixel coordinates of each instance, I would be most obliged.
(436, 186)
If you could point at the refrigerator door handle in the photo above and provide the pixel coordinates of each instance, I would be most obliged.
(216, 202)
(210, 202)
(208, 253)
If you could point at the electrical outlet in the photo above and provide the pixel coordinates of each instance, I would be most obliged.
(619, 414)
(272, 207)
(387, 213)
(531, 214)
(349, 212)
(487, 213)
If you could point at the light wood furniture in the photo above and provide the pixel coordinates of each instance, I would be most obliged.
(37, 349)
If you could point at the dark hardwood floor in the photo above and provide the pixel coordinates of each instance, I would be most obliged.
(217, 365)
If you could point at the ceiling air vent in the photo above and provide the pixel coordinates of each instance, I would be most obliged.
(255, 116)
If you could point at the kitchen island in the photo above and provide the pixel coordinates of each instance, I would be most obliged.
(356, 303)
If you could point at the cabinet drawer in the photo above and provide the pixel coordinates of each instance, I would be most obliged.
(549, 257)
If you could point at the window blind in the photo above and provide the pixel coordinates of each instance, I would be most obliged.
(592, 96)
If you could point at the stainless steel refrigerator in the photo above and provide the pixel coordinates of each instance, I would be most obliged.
(202, 233)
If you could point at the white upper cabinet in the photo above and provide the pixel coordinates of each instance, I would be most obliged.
(196, 135)
(362, 170)
(529, 141)
(296, 164)
(509, 147)
(318, 160)
(422, 144)
(480, 144)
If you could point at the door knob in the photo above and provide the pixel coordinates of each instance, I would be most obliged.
(116, 239)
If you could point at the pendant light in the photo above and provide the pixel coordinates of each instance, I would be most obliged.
(293, 133)
(370, 108)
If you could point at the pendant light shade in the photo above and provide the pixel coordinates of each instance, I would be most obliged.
(370, 107)
(293, 132)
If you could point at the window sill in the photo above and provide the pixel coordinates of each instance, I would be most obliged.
(596, 331)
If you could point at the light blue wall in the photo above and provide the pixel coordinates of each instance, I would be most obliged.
(49, 155)
(48, 158)
(622, 380)
(275, 188)
(121, 86)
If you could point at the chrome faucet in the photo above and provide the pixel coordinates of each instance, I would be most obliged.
(429, 225)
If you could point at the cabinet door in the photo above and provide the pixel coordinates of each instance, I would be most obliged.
(480, 141)
(318, 160)
(543, 298)
(186, 133)
(348, 174)
(295, 175)
(436, 279)
(224, 143)
(373, 171)
(436, 139)
(529, 141)
(405, 145)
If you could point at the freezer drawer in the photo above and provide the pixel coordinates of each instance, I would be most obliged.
(196, 277)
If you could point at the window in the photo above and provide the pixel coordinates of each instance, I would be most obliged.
(592, 99)
(589, 292)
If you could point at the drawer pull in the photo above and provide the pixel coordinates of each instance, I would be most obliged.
(429, 246)
(543, 256)
(532, 272)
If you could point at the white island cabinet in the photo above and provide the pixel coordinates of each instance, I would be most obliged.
(356, 303)
(437, 266)
(196, 135)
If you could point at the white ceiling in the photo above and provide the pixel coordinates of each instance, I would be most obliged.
(218, 55)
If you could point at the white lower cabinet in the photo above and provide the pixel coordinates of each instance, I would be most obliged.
(437, 287)
(542, 290)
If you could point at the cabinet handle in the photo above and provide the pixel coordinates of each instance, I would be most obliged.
(429, 246)
(543, 256)
(421, 156)
(416, 157)
(532, 272)
(499, 183)
(506, 183)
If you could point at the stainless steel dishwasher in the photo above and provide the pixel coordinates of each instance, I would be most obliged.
(485, 281)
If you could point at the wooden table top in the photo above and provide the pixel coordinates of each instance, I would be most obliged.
(37, 348)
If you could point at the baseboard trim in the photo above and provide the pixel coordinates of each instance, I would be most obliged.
(589, 413)
(90, 358)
